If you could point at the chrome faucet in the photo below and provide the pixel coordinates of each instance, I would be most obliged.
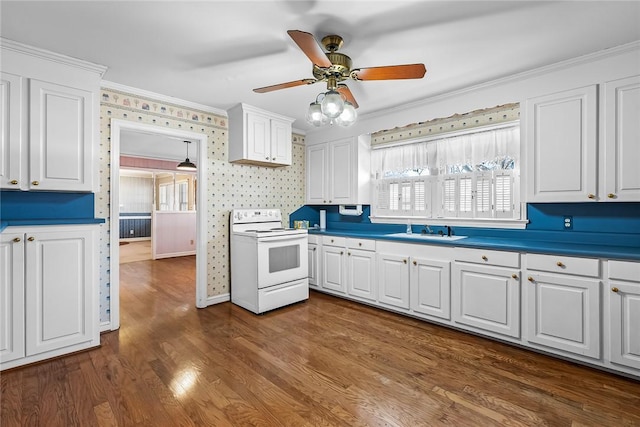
(427, 230)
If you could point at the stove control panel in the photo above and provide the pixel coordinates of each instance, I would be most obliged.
(241, 216)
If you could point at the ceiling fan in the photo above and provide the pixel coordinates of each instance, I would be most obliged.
(334, 67)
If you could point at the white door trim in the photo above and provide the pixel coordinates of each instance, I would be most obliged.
(117, 126)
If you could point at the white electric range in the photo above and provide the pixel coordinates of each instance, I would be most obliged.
(269, 263)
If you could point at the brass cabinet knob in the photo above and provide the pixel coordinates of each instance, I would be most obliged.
(324, 201)
(560, 264)
(329, 201)
(314, 249)
(341, 252)
(514, 276)
(614, 289)
(611, 196)
(13, 182)
(16, 240)
(35, 183)
(415, 262)
(530, 279)
(273, 158)
(484, 258)
(267, 158)
(360, 244)
(404, 261)
(31, 238)
(591, 196)
(349, 253)
(331, 240)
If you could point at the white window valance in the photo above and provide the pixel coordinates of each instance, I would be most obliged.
(483, 150)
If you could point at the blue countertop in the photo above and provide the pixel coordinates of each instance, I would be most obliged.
(56, 221)
(519, 245)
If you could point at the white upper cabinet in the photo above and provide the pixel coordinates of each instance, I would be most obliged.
(338, 172)
(621, 140)
(561, 141)
(583, 149)
(48, 120)
(60, 152)
(11, 125)
(259, 137)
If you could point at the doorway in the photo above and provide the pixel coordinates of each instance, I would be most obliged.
(199, 141)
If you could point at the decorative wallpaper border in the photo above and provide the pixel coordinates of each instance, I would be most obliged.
(456, 122)
(136, 104)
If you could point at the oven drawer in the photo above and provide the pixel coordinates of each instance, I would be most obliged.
(283, 294)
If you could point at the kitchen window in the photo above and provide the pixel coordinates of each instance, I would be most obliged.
(467, 177)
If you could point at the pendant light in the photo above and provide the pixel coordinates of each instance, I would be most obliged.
(186, 165)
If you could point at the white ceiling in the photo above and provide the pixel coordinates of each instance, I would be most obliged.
(216, 52)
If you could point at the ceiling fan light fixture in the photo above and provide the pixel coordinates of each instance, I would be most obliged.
(187, 165)
(332, 104)
(348, 115)
(315, 116)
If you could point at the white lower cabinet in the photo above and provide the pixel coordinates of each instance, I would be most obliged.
(52, 308)
(430, 286)
(486, 291)
(393, 280)
(560, 308)
(361, 268)
(624, 313)
(563, 303)
(11, 297)
(333, 264)
(313, 250)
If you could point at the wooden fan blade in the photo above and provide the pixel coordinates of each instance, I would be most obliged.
(390, 72)
(346, 92)
(285, 85)
(310, 47)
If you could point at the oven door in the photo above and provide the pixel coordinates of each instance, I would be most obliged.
(282, 259)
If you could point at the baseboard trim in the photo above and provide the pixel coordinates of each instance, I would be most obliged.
(217, 299)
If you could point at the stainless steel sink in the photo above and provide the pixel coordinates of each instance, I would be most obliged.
(436, 237)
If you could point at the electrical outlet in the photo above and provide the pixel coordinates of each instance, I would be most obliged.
(131, 232)
(192, 241)
(568, 222)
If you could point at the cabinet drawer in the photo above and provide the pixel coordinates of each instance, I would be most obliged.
(314, 239)
(589, 267)
(488, 257)
(364, 244)
(334, 241)
(624, 270)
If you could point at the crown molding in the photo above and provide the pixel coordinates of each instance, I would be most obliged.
(26, 49)
(590, 57)
(163, 98)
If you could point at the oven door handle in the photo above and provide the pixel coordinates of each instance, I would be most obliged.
(282, 238)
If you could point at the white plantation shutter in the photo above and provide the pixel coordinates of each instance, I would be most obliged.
(405, 198)
(382, 198)
(449, 196)
(483, 207)
(394, 196)
(465, 195)
(503, 194)
(419, 197)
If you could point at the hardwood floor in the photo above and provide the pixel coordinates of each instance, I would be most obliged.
(324, 362)
(135, 251)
